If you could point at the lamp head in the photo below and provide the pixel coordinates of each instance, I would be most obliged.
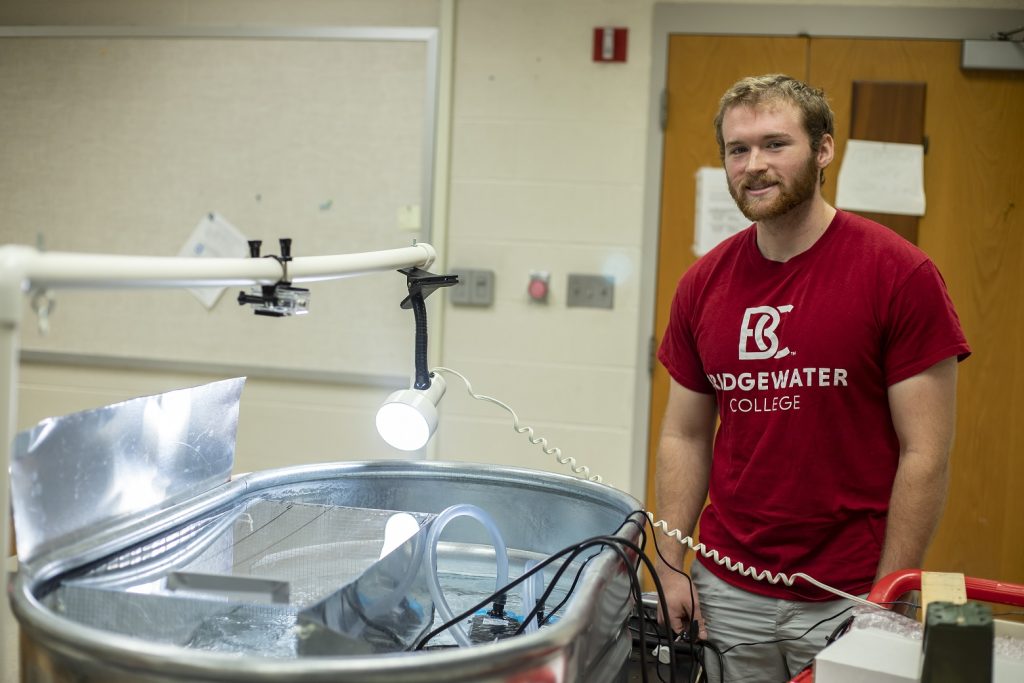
(408, 417)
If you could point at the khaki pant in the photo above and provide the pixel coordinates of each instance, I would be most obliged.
(733, 615)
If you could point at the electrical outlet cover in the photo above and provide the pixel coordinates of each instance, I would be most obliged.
(591, 291)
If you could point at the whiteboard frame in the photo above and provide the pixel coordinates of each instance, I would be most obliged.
(429, 36)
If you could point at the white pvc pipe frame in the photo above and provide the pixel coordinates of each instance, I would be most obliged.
(24, 269)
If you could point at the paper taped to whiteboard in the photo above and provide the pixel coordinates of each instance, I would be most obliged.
(214, 237)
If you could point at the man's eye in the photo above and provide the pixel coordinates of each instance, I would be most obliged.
(737, 150)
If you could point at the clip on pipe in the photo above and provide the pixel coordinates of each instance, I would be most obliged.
(279, 299)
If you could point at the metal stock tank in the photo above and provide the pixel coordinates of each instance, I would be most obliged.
(99, 605)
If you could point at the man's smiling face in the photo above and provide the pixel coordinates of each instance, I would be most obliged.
(768, 159)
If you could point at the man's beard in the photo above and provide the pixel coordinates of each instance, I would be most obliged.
(786, 198)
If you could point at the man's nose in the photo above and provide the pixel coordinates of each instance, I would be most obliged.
(756, 162)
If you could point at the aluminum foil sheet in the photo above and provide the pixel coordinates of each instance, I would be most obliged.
(72, 475)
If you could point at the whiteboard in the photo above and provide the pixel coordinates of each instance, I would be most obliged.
(123, 143)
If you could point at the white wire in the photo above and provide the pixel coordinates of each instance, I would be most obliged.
(750, 572)
(582, 470)
(661, 525)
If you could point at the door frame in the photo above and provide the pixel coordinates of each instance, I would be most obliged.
(938, 23)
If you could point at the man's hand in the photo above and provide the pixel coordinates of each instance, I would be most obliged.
(683, 468)
(682, 601)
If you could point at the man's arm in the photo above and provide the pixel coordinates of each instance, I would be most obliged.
(923, 411)
(683, 469)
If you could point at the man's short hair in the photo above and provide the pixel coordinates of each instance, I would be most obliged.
(810, 101)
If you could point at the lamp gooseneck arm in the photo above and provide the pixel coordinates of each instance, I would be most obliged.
(419, 311)
(420, 284)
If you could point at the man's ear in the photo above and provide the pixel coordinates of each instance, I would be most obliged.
(826, 151)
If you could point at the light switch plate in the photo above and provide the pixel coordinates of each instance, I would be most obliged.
(475, 288)
(591, 291)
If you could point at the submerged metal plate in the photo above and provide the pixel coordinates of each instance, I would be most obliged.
(72, 475)
(270, 578)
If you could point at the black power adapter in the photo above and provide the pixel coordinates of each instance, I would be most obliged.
(958, 643)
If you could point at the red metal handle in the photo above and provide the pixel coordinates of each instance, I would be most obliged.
(891, 587)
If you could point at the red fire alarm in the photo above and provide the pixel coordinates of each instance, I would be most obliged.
(610, 44)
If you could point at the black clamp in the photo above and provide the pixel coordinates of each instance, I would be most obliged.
(281, 298)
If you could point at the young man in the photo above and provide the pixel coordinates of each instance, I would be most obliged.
(827, 346)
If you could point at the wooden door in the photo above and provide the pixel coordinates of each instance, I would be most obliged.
(973, 229)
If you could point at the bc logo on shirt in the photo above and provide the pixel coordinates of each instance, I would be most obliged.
(759, 325)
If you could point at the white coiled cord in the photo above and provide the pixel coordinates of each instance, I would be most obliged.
(710, 553)
(743, 570)
(580, 470)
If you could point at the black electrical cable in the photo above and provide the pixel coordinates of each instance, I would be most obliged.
(668, 564)
(805, 633)
(616, 544)
(489, 599)
(512, 584)
(908, 603)
(357, 607)
(696, 647)
(643, 543)
(640, 524)
(554, 582)
(575, 552)
(661, 601)
(784, 640)
(568, 594)
(843, 627)
(708, 645)
(677, 645)
(694, 636)
(637, 591)
(695, 651)
(720, 654)
(671, 635)
(572, 551)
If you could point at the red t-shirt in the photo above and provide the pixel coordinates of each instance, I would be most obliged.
(799, 356)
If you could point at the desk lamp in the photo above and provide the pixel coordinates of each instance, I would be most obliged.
(408, 417)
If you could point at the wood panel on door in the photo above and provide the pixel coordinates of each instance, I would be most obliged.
(973, 228)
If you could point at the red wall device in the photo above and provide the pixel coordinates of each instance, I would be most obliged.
(610, 44)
